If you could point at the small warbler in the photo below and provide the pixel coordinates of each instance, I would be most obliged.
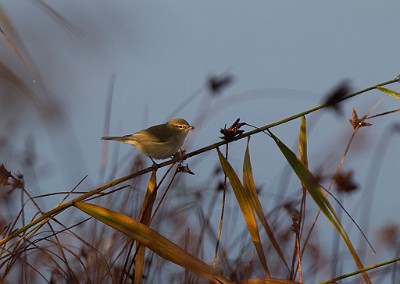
(158, 141)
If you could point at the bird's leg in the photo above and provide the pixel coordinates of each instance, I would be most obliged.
(155, 166)
(180, 155)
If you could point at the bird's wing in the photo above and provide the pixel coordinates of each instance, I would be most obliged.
(162, 135)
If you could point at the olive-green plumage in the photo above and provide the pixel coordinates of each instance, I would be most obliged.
(160, 141)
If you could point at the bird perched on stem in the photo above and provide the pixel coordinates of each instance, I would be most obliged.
(159, 141)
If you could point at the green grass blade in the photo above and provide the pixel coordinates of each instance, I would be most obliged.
(246, 208)
(389, 92)
(250, 189)
(371, 267)
(309, 182)
(307, 179)
(152, 240)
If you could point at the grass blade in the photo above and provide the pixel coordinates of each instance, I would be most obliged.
(250, 189)
(246, 208)
(270, 281)
(389, 92)
(5, 22)
(152, 240)
(303, 141)
(301, 217)
(144, 218)
(309, 182)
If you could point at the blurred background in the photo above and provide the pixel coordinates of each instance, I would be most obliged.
(79, 70)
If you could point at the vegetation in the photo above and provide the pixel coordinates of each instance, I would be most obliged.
(141, 227)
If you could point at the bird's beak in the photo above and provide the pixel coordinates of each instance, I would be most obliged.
(191, 127)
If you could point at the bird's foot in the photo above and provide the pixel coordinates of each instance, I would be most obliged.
(180, 155)
(155, 166)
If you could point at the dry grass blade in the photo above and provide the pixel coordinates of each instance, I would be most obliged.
(68, 25)
(149, 199)
(303, 141)
(246, 207)
(152, 240)
(250, 188)
(43, 105)
(144, 218)
(313, 188)
(15, 81)
(6, 22)
(43, 100)
(270, 281)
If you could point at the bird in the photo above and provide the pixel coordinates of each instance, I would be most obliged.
(159, 141)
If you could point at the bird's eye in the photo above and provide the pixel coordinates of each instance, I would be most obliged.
(181, 126)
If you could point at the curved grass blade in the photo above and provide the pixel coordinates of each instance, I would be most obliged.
(152, 240)
(246, 208)
(312, 187)
(250, 189)
(65, 23)
(5, 22)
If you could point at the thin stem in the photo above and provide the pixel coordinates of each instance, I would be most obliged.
(221, 220)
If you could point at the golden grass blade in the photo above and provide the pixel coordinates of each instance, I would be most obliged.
(269, 281)
(303, 141)
(246, 208)
(313, 188)
(250, 189)
(148, 202)
(144, 218)
(152, 240)
(389, 92)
